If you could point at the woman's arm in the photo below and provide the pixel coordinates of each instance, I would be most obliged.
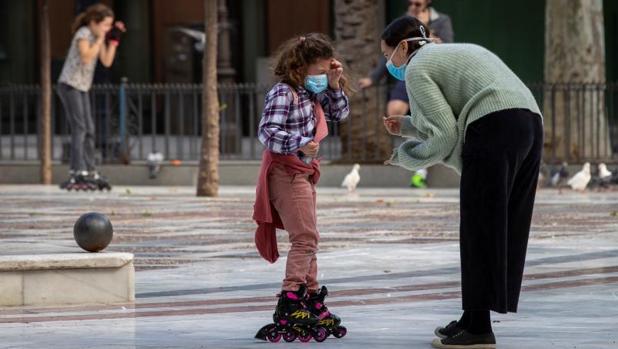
(87, 51)
(107, 53)
(434, 118)
(108, 50)
(380, 71)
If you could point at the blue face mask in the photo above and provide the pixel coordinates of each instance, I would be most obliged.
(399, 72)
(316, 83)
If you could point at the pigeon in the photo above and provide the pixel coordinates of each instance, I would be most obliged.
(603, 172)
(605, 176)
(558, 175)
(154, 161)
(581, 179)
(351, 179)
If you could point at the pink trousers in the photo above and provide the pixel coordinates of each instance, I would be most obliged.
(294, 198)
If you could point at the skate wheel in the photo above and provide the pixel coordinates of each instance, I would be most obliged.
(289, 336)
(273, 336)
(305, 337)
(320, 334)
(340, 332)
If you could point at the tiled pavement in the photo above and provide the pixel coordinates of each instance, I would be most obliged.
(390, 258)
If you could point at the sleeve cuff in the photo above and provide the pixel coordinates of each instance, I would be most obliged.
(407, 129)
(304, 141)
(335, 93)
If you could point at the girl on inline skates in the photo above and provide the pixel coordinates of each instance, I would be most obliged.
(310, 91)
(95, 38)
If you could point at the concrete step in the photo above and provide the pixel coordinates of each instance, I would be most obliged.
(231, 173)
(67, 279)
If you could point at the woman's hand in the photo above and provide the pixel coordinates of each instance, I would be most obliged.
(393, 124)
(334, 74)
(311, 149)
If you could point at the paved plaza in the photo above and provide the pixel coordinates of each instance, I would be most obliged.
(389, 257)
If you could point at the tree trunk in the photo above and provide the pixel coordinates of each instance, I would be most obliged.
(576, 126)
(45, 112)
(208, 174)
(357, 29)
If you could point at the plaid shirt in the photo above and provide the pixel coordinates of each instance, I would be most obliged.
(288, 123)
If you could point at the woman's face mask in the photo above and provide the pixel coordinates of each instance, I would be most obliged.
(399, 72)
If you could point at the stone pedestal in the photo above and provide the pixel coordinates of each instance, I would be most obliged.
(67, 279)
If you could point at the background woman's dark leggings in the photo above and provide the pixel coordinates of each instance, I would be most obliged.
(78, 113)
(501, 159)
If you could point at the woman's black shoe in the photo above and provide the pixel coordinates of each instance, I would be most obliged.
(449, 330)
(466, 340)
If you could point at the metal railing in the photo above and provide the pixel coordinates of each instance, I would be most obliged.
(133, 120)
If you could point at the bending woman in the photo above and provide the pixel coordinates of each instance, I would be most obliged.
(476, 116)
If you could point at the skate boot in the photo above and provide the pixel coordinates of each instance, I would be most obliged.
(99, 181)
(293, 320)
(328, 320)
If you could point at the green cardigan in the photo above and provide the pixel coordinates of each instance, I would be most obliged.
(450, 86)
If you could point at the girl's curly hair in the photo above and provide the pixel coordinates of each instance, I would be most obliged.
(294, 55)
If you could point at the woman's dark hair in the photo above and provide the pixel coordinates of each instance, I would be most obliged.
(294, 55)
(96, 13)
(404, 28)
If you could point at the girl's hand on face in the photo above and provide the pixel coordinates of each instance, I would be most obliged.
(334, 74)
(393, 124)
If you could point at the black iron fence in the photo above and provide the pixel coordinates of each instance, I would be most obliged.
(133, 120)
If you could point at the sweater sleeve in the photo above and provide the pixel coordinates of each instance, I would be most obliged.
(433, 117)
(409, 130)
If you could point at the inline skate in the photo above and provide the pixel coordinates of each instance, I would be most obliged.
(328, 320)
(78, 182)
(293, 320)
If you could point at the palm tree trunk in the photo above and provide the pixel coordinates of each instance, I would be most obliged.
(208, 174)
(576, 124)
(45, 113)
(357, 28)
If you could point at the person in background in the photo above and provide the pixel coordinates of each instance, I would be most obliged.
(95, 38)
(441, 31)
